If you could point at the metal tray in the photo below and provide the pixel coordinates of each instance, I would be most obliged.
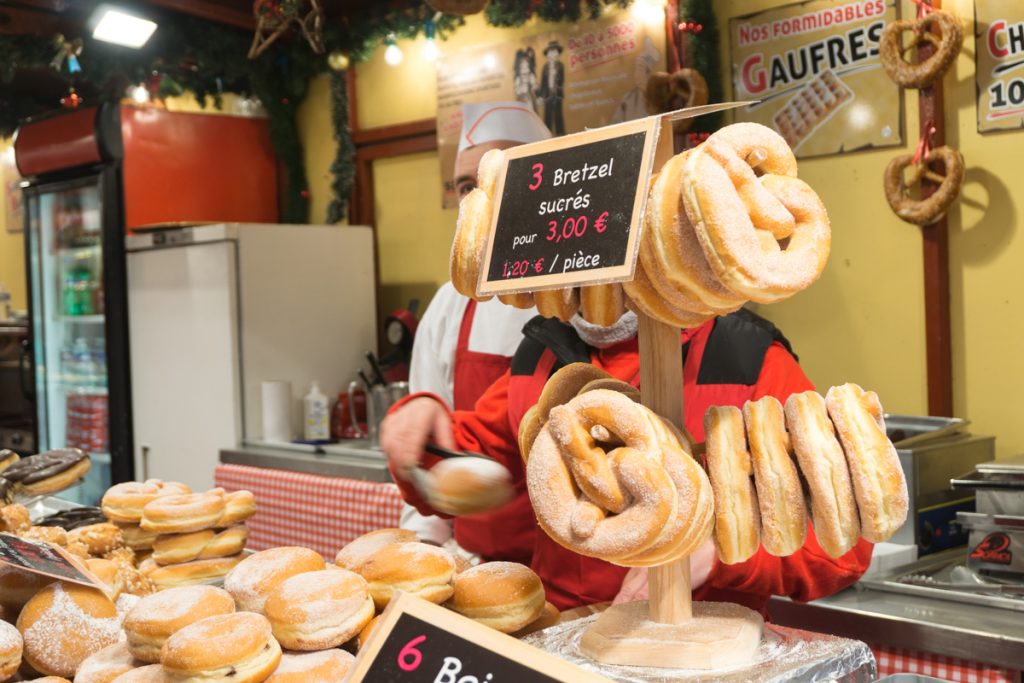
(939, 566)
(908, 430)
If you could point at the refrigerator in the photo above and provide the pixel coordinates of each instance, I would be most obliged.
(91, 178)
(214, 311)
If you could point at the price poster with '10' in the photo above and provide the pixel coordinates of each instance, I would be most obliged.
(569, 210)
(999, 69)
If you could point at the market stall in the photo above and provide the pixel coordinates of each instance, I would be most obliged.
(617, 467)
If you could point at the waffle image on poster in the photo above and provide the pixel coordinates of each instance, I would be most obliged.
(815, 72)
(810, 107)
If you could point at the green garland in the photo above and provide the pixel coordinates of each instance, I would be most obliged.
(209, 59)
(706, 58)
(343, 168)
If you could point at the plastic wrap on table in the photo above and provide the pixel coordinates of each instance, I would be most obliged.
(785, 654)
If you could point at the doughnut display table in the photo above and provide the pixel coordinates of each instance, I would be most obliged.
(783, 654)
(315, 511)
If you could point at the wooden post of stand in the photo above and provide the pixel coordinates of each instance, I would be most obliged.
(939, 354)
(661, 382)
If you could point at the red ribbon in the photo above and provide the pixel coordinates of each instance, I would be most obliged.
(923, 7)
(924, 147)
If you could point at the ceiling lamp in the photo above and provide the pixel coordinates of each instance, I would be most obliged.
(121, 28)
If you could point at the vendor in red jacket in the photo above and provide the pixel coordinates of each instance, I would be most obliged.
(726, 361)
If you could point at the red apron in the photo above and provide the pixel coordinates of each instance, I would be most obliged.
(508, 533)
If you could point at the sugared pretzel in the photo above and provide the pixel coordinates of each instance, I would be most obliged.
(681, 89)
(924, 211)
(947, 45)
(764, 233)
(608, 479)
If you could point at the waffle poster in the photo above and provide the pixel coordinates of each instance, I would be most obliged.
(584, 75)
(999, 53)
(816, 71)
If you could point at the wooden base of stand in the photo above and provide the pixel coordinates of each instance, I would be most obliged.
(719, 635)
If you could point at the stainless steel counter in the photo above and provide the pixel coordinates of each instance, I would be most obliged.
(351, 460)
(984, 634)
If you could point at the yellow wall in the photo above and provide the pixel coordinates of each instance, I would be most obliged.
(12, 251)
(864, 320)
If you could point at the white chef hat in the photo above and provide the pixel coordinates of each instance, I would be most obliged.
(486, 121)
(649, 55)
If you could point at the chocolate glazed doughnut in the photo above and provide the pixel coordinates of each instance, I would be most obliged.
(49, 472)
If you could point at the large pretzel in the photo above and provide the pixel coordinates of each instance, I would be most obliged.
(924, 211)
(608, 479)
(947, 45)
(764, 232)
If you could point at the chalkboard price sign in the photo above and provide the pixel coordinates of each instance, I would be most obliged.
(419, 642)
(568, 210)
(45, 559)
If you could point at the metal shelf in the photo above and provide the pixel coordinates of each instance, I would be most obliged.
(84, 319)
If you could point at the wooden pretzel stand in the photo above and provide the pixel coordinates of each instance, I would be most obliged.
(669, 630)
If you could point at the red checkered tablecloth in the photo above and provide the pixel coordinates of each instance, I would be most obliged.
(322, 513)
(893, 660)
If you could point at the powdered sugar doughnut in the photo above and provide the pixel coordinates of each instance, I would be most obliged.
(252, 580)
(359, 550)
(10, 650)
(319, 610)
(328, 666)
(107, 664)
(156, 617)
(65, 623)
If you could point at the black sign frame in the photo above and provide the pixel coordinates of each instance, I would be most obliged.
(402, 649)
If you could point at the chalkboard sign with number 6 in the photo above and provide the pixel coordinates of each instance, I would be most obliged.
(568, 211)
(417, 641)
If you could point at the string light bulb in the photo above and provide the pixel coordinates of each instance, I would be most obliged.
(392, 53)
(139, 94)
(430, 49)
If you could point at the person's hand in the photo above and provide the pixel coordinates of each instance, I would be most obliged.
(634, 586)
(405, 432)
(702, 563)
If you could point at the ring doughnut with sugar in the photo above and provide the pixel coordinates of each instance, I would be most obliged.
(780, 496)
(467, 253)
(879, 484)
(824, 469)
(737, 516)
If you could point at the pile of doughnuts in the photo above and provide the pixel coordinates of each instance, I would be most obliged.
(726, 222)
(505, 596)
(187, 537)
(42, 474)
(770, 465)
(598, 304)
